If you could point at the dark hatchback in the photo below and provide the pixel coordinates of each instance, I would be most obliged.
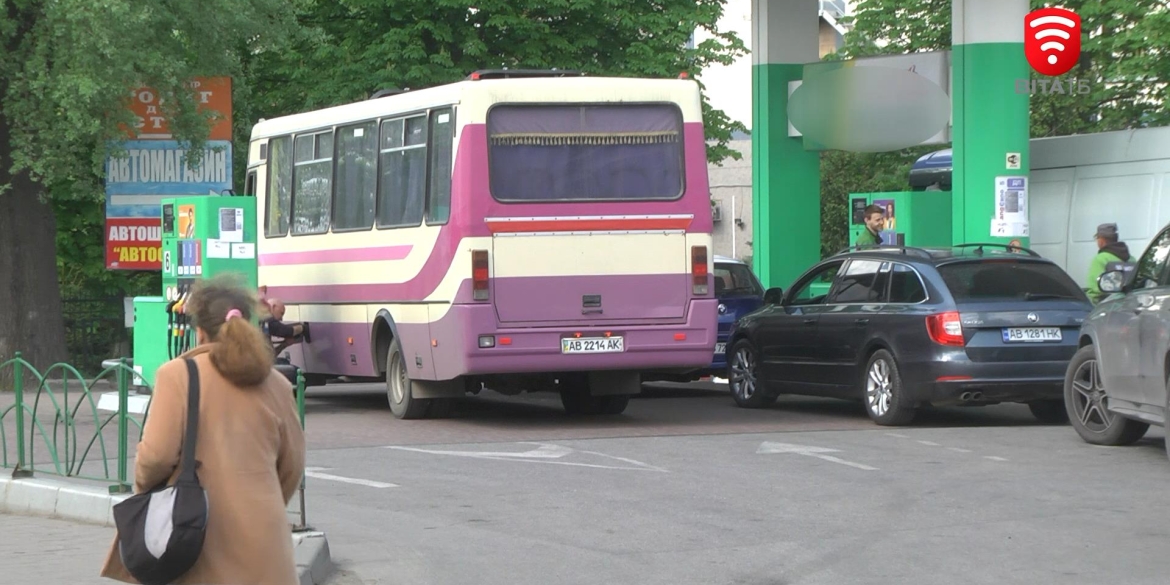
(900, 328)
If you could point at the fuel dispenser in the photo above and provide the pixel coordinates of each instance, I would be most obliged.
(202, 236)
(912, 218)
(921, 217)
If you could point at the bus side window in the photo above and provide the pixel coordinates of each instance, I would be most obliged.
(279, 202)
(442, 153)
(312, 180)
(402, 183)
(355, 187)
(250, 184)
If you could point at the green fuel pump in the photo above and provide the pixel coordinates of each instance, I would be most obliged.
(202, 236)
(912, 218)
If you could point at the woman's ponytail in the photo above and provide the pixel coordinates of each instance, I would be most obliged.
(223, 309)
(241, 354)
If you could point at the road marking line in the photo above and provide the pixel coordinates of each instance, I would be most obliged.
(769, 448)
(930, 443)
(843, 462)
(958, 450)
(625, 460)
(315, 472)
(573, 464)
(897, 435)
(994, 458)
(543, 453)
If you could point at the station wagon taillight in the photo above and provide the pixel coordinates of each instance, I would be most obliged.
(479, 275)
(699, 270)
(946, 329)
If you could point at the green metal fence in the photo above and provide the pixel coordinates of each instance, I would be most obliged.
(57, 428)
(56, 424)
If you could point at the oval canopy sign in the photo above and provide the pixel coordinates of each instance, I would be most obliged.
(868, 109)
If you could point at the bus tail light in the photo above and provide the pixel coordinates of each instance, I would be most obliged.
(699, 270)
(946, 329)
(479, 275)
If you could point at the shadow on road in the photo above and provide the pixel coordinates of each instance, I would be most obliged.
(659, 405)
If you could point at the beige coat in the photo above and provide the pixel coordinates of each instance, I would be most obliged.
(251, 453)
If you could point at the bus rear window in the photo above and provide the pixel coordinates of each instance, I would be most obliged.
(585, 152)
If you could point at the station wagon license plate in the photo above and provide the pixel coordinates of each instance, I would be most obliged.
(720, 348)
(1031, 334)
(615, 344)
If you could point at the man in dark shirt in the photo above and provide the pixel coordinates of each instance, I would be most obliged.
(273, 326)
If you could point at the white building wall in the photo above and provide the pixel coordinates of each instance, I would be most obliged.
(731, 190)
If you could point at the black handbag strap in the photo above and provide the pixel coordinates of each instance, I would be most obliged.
(187, 466)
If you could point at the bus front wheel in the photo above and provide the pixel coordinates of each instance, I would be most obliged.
(398, 387)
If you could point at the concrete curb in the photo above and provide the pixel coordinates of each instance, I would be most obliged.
(59, 499)
(311, 551)
(86, 504)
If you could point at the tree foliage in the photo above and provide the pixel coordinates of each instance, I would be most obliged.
(71, 65)
(355, 47)
(67, 71)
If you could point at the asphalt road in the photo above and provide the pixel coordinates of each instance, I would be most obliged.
(688, 489)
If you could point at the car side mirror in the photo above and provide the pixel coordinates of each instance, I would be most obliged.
(774, 296)
(1112, 281)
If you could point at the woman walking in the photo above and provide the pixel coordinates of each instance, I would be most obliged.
(250, 447)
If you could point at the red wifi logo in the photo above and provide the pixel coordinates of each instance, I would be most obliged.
(1052, 40)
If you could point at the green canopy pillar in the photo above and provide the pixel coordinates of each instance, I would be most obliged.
(991, 124)
(786, 200)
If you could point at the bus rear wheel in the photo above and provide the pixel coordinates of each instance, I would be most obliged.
(398, 387)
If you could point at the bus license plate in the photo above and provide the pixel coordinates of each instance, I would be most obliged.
(593, 345)
(1031, 334)
(720, 348)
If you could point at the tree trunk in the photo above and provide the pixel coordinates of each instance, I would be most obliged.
(30, 294)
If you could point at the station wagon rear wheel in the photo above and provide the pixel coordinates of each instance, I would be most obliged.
(1087, 401)
(885, 401)
(743, 377)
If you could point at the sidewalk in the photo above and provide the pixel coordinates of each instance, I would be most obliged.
(41, 551)
(58, 531)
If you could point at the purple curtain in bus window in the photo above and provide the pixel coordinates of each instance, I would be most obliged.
(627, 151)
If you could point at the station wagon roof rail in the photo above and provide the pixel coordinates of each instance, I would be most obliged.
(903, 249)
(980, 246)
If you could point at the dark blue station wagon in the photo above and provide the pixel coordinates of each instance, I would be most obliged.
(899, 328)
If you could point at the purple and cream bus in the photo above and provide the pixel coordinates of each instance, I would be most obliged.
(514, 231)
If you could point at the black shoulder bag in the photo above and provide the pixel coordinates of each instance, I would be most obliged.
(160, 532)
